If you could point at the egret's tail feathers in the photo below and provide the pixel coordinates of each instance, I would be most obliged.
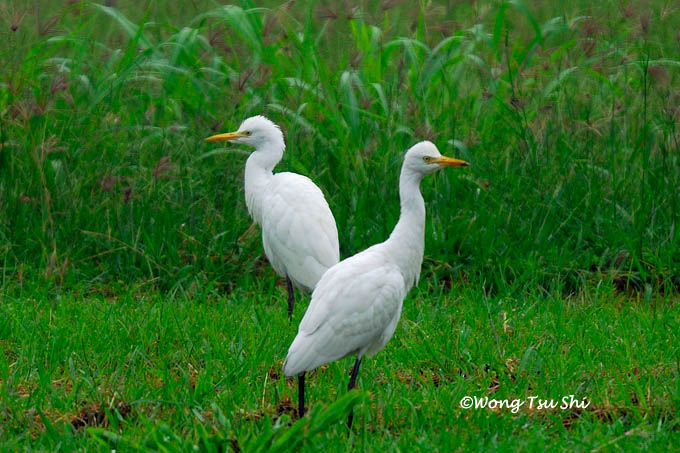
(302, 357)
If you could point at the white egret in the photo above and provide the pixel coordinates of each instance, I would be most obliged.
(357, 303)
(299, 234)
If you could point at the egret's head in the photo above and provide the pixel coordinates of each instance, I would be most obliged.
(254, 131)
(424, 158)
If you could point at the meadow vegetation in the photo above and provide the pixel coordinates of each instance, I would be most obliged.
(137, 309)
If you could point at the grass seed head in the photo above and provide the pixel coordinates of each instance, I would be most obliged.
(645, 19)
(659, 75)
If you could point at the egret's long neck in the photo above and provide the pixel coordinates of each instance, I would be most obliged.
(259, 167)
(406, 244)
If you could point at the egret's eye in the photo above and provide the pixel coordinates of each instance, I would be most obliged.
(427, 159)
(247, 133)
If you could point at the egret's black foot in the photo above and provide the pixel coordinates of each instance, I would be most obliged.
(301, 395)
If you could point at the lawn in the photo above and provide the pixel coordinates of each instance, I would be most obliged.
(153, 371)
(137, 309)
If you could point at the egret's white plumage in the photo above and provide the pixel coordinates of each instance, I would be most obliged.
(357, 303)
(298, 229)
(299, 234)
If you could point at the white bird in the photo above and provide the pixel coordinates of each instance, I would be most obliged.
(357, 303)
(299, 234)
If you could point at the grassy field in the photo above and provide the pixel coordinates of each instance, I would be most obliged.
(154, 372)
(137, 308)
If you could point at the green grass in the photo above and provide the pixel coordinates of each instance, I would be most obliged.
(568, 117)
(152, 371)
(135, 298)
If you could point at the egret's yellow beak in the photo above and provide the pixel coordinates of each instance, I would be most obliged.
(450, 162)
(227, 136)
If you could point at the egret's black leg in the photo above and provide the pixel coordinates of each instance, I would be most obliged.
(301, 395)
(291, 298)
(352, 383)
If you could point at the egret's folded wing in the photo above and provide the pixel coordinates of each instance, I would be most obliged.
(298, 229)
(352, 308)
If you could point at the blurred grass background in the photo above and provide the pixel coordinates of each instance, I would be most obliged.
(567, 113)
(137, 310)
